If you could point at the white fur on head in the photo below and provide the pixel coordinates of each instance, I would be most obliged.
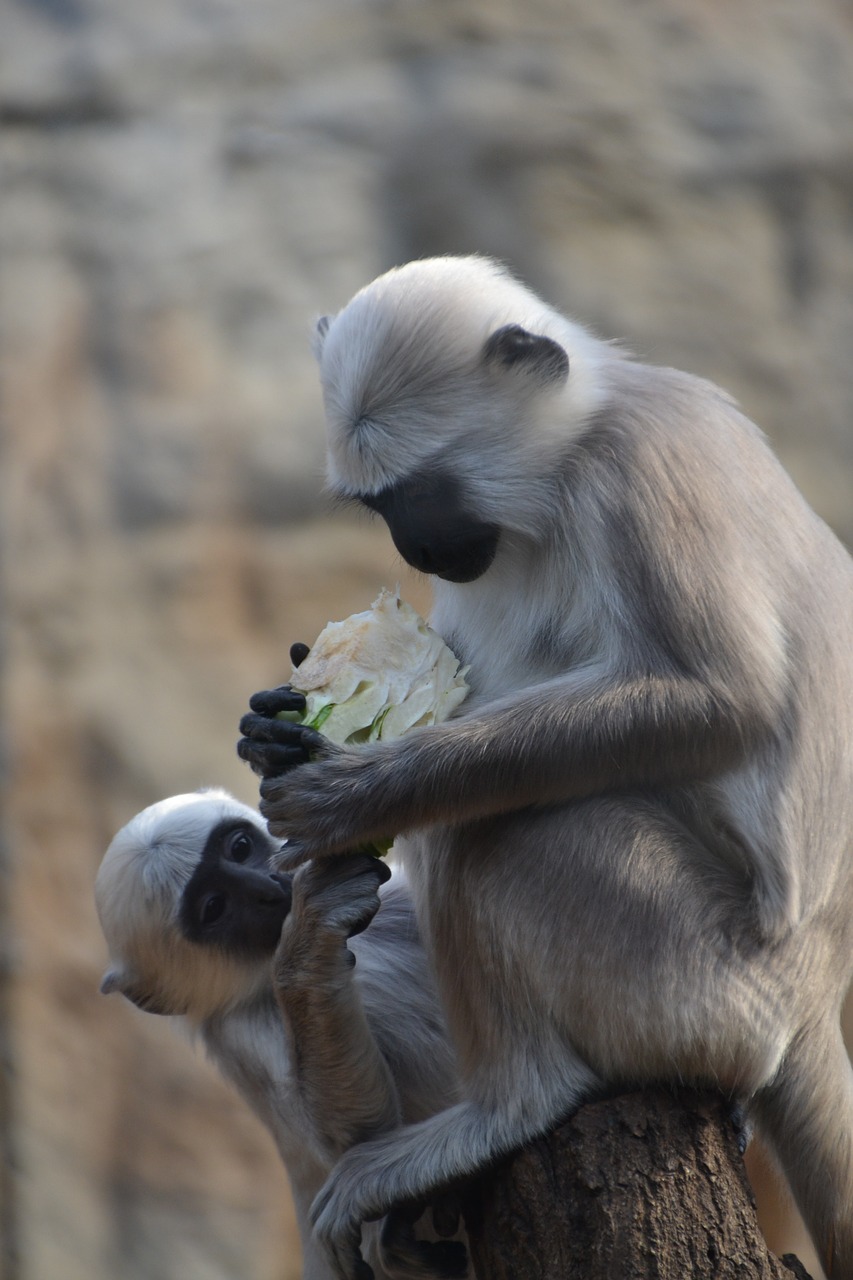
(404, 381)
(137, 893)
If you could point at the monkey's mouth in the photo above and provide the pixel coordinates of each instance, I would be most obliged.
(471, 565)
(258, 930)
(429, 518)
(455, 559)
(283, 880)
(280, 897)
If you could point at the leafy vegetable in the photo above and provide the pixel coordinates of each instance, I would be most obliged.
(376, 675)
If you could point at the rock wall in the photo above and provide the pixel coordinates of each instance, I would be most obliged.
(184, 187)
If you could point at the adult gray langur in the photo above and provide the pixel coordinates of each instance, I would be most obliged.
(329, 1037)
(631, 849)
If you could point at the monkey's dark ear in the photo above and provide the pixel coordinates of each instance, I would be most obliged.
(321, 328)
(514, 348)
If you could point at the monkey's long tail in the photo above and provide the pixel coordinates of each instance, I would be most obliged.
(807, 1113)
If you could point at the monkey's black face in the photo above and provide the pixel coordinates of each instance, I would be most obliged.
(232, 900)
(433, 528)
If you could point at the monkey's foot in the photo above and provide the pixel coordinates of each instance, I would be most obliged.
(337, 1214)
(368, 1182)
(404, 1255)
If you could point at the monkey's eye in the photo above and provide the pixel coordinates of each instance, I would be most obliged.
(239, 847)
(212, 908)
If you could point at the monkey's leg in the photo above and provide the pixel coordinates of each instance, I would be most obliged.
(612, 923)
(605, 929)
(411, 1161)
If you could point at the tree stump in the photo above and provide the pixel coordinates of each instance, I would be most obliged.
(645, 1186)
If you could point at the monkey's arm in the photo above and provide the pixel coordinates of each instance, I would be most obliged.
(345, 1087)
(590, 731)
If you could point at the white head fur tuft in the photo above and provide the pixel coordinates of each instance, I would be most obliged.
(401, 370)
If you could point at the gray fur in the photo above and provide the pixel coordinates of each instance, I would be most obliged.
(632, 849)
(325, 1053)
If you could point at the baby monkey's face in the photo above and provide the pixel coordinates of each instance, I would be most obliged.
(234, 901)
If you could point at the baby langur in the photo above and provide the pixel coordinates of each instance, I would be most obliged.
(330, 1038)
(631, 850)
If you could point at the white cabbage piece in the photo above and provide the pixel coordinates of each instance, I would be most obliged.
(378, 674)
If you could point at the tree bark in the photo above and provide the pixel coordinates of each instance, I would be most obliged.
(645, 1186)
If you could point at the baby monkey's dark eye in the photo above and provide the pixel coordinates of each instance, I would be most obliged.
(239, 847)
(212, 908)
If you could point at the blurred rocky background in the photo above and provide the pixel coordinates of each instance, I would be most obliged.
(185, 185)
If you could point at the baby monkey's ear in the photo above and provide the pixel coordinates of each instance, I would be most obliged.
(321, 328)
(111, 981)
(118, 980)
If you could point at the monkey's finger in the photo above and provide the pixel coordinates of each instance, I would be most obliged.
(397, 1242)
(264, 729)
(446, 1258)
(402, 1251)
(269, 702)
(347, 1259)
(291, 753)
(298, 653)
(446, 1214)
(270, 760)
(372, 907)
(346, 867)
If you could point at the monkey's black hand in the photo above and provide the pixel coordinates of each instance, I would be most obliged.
(269, 702)
(272, 746)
